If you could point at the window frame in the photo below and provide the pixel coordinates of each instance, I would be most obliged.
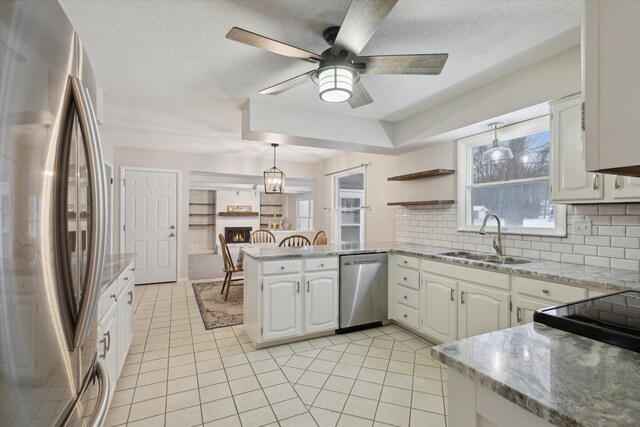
(336, 209)
(309, 218)
(465, 146)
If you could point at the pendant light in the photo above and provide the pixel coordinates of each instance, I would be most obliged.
(274, 177)
(497, 153)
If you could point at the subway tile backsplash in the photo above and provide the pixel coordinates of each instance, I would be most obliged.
(614, 241)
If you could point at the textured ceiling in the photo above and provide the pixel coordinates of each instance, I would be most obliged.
(173, 82)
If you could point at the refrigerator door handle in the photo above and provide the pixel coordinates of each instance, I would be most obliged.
(95, 262)
(100, 413)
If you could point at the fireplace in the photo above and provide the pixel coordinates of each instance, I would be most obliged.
(237, 234)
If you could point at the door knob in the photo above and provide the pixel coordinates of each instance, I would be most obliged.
(172, 235)
(172, 227)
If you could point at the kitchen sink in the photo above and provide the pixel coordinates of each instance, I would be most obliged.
(494, 259)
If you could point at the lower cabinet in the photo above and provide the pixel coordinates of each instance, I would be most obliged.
(281, 306)
(299, 303)
(533, 294)
(321, 302)
(440, 308)
(525, 307)
(481, 310)
(125, 322)
(108, 343)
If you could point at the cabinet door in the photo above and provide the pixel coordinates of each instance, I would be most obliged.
(129, 315)
(626, 187)
(321, 302)
(281, 306)
(525, 307)
(439, 314)
(108, 342)
(122, 346)
(481, 310)
(569, 178)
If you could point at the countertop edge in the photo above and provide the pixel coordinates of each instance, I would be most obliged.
(125, 260)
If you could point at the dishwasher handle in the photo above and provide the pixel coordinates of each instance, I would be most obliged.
(366, 261)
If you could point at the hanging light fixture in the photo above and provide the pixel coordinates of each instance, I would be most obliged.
(335, 80)
(497, 153)
(274, 177)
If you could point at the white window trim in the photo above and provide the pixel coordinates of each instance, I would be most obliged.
(309, 218)
(334, 200)
(536, 125)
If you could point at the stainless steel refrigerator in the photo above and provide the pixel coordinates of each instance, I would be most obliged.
(52, 222)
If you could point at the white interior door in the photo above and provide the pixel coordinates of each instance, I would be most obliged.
(150, 224)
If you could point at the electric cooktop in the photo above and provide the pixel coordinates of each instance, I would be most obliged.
(613, 319)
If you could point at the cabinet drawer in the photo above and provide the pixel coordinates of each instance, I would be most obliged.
(549, 291)
(408, 315)
(320, 264)
(407, 261)
(107, 298)
(284, 266)
(408, 296)
(469, 274)
(124, 279)
(406, 277)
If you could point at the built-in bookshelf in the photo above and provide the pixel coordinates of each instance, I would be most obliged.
(273, 207)
(202, 221)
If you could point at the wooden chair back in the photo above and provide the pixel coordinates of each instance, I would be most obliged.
(262, 236)
(226, 255)
(295, 240)
(320, 239)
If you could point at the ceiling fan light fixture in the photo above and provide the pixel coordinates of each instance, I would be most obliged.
(497, 153)
(335, 83)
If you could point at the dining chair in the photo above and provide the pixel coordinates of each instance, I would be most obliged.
(320, 239)
(229, 268)
(295, 240)
(262, 236)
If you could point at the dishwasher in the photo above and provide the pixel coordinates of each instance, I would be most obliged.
(363, 291)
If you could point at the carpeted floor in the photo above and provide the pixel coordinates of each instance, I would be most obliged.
(215, 311)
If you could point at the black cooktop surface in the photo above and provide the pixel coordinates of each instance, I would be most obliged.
(614, 318)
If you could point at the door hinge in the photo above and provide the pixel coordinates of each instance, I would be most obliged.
(262, 286)
(111, 181)
(582, 118)
(510, 305)
(261, 330)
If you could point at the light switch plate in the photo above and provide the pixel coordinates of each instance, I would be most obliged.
(582, 227)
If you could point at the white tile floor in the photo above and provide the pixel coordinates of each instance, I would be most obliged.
(179, 374)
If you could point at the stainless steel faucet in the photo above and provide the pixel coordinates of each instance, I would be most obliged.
(497, 240)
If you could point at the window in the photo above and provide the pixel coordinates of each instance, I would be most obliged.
(304, 214)
(516, 190)
(349, 207)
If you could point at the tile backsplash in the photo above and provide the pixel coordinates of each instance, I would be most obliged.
(614, 241)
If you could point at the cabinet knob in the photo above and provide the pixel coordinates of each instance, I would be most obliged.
(321, 265)
(546, 291)
(405, 279)
(405, 261)
(126, 278)
(114, 296)
(405, 297)
(405, 316)
(282, 267)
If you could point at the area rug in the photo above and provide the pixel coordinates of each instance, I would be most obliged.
(215, 311)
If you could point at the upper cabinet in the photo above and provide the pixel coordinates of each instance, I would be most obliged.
(610, 89)
(570, 181)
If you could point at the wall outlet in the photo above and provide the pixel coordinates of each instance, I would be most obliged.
(582, 226)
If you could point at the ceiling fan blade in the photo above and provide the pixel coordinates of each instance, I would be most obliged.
(360, 96)
(362, 20)
(401, 64)
(287, 84)
(262, 42)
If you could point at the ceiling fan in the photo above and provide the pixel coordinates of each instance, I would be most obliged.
(339, 67)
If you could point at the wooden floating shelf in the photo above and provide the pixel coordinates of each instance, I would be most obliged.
(202, 204)
(419, 175)
(422, 202)
(194, 214)
(276, 206)
(201, 225)
(238, 213)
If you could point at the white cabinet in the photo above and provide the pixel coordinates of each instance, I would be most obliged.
(533, 294)
(321, 302)
(525, 307)
(569, 179)
(439, 317)
(287, 299)
(611, 94)
(125, 322)
(404, 290)
(481, 310)
(625, 188)
(281, 306)
(108, 344)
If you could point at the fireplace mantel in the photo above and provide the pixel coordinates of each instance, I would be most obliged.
(238, 214)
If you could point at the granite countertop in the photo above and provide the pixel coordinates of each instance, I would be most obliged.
(114, 265)
(564, 378)
(574, 274)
